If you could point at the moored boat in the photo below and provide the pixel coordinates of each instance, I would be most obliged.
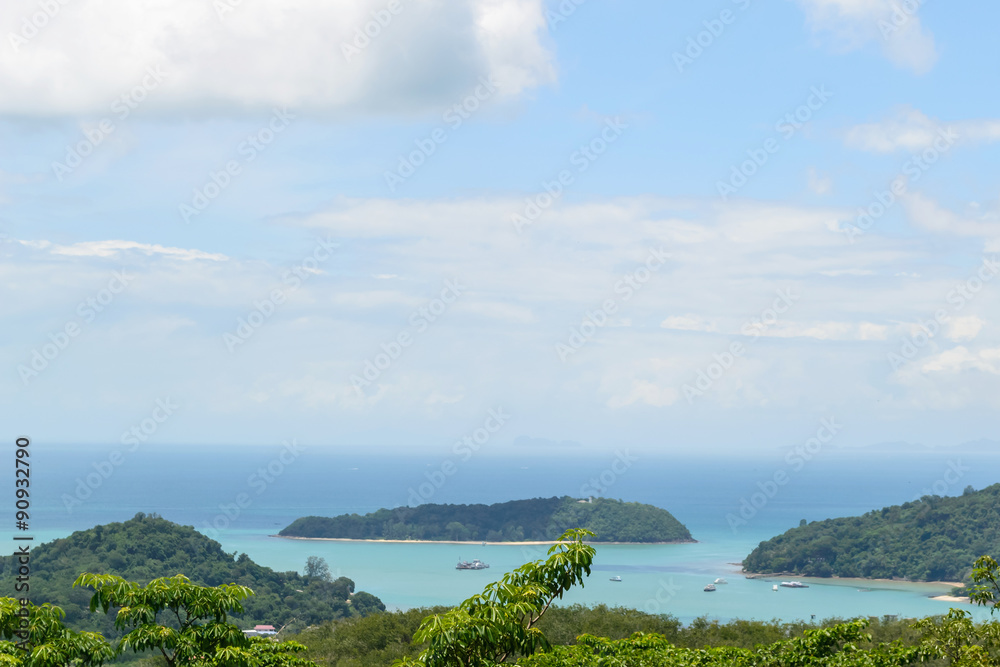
(793, 584)
(616, 578)
(709, 588)
(474, 565)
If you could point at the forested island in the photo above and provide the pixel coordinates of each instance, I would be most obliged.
(932, 539)
(538, 519)
(147, 547)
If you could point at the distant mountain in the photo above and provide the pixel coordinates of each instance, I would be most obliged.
(148, 547)
(541, 519)
(932, 539)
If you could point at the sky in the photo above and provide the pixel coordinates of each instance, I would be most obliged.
(541, 227)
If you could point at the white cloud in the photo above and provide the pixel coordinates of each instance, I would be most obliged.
(688, 323)
(107, 249)
(853, 23)
(819, 184)
(828, 330)
(646, 393)
(965, 328)
(961, 359)
(928, 214)
(909, 129)
(263, 54)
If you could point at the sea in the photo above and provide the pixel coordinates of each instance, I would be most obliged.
(242, 496)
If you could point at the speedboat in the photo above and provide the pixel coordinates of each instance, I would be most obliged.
(709, 588)
(793, 584)
(616, 578)
(720, 580)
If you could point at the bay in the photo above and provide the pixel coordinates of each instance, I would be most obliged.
(241, 496)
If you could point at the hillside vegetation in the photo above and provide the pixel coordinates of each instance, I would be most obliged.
(933, 539)
(542, 519)
(376, 641)
(148, 547)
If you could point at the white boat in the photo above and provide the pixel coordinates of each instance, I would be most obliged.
(616, 578)
(775, 588)
(793, 584)
(720, 580)
(474, 565)
(709, 588)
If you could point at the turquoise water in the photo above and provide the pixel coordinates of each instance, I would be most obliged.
(655, 578)
(201, 487)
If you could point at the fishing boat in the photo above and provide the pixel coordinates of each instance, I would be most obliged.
(474, 565)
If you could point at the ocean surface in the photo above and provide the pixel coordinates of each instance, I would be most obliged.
(241, 496)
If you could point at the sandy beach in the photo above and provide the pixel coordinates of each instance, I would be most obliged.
(952, 598)
(480, 542)
(858, 580)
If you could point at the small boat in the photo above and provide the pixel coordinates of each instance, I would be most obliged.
(474, 565)
(775, 588)
(709, 588)
(616, 578)
(720, 580)
(793, 584)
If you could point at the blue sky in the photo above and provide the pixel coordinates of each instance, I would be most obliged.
(623, 223)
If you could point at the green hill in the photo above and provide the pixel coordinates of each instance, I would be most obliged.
(148, 547)
(541, 519)
(932, 539)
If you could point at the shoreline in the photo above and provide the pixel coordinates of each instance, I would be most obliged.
(473, 542)
(754, 575)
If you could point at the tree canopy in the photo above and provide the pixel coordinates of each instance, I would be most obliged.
(542, 519)
(149, 547)
(932, 539)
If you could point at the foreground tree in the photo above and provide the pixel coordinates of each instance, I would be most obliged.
(44, 641)
(185, 623)
(499, 624)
